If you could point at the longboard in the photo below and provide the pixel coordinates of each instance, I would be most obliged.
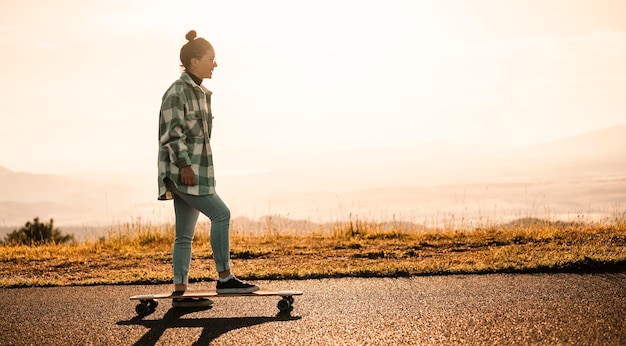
(148, 302)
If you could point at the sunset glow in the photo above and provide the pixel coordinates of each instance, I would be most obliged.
(82, 80)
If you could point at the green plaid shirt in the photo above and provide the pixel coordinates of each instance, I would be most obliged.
(185, 124)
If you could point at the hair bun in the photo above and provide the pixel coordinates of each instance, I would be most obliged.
(191, 35)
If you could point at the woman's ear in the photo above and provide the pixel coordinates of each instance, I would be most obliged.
(194, 62)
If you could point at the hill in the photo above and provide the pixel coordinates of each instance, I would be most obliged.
(585, 173)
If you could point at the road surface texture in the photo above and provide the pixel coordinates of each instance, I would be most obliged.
(499, 309)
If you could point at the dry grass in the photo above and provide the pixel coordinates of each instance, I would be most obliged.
(141, 253)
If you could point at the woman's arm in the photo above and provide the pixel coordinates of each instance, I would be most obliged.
(171, 133)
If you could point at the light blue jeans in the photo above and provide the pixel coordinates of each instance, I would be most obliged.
(187, 209)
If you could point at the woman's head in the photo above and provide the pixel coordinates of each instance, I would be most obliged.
(197, 56)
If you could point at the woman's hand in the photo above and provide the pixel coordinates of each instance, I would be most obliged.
(187, 176)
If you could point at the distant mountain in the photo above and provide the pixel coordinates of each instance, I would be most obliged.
(69, 200)
(28, 187)
(609, 143)
(572, 173)
(604, 143)
(602, 151)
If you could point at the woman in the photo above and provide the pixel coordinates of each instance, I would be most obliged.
(186, 169)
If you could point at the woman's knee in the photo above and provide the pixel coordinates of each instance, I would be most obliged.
(183, 239)
(223, 215)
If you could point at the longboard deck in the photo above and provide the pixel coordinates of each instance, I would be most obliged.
(147, 302)
(213, 293)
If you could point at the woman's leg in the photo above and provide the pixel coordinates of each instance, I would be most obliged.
(219, 214)
(214, 208)
(186, 218)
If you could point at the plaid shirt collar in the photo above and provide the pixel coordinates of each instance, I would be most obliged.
(186, 77)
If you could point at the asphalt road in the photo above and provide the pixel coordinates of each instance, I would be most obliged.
(545, 309)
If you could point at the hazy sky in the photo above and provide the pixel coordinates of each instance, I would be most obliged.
(81, 81)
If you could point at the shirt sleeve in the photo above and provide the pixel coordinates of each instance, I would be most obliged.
(171, 134)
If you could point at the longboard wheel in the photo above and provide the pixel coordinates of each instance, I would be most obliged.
(142, 309)
(284, 305)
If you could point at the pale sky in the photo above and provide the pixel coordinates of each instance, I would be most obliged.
(81, 81)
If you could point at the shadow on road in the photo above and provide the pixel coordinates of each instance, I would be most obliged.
(212, 328)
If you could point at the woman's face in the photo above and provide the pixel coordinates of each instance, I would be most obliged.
(203, 67)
